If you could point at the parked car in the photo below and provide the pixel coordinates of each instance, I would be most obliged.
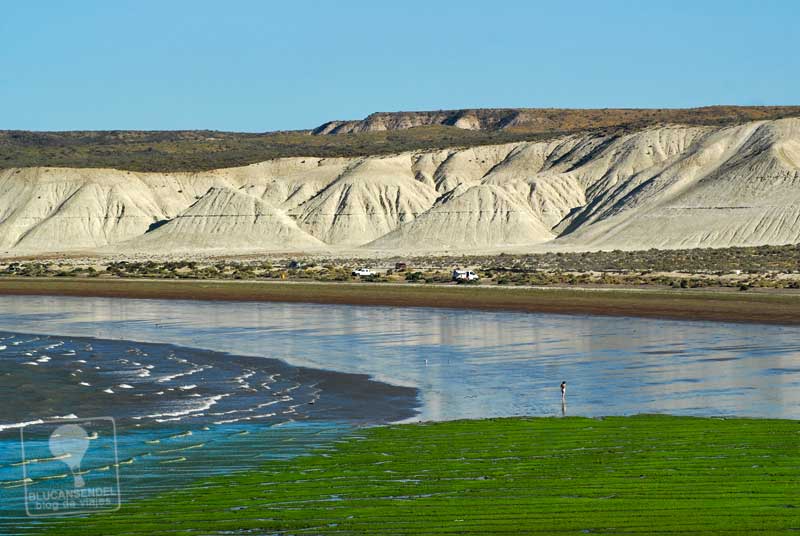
(363, 272)
(400, 266)
(465, 275)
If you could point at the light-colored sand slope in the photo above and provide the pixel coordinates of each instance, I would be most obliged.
(669, 187)
(738, 186)
(478, 216)
(369, 199)
(50, 209)
(226, 220)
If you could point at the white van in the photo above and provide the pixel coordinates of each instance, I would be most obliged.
(465, 275)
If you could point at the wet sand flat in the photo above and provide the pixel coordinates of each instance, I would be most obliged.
(751, 307)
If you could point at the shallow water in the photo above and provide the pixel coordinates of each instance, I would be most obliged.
(147, 384)
(470, 364)
(179, 413)
(155, 460)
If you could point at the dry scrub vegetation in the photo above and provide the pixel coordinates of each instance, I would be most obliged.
(742, 268)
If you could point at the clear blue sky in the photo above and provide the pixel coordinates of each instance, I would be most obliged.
(261, 65)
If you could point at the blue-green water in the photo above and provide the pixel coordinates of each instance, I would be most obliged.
(155, 461)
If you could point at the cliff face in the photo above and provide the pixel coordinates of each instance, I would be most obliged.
(549, 120)
(494, 119)
(666, 187)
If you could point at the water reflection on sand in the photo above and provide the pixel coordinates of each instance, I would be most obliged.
(471, 364)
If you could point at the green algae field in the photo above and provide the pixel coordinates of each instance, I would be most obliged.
(647, 474)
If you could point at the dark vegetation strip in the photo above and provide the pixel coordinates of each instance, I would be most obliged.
(749, 259)
(206, 150)
(195, 150)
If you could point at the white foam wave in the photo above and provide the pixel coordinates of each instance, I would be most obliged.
(283, 423)
(243, 378)
(176, 460)
(204, 405)
(171, 377)
(68, 416)
(182, 449)
(42, 460)
(248, 418)
(19, 424)
(17, 483)
(250, 410)
(37, 421)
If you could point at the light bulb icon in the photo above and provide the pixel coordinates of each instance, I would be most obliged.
(68, 443)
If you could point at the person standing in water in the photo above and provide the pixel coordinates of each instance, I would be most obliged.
(563, 391)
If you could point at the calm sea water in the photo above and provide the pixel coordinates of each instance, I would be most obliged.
(469, 364)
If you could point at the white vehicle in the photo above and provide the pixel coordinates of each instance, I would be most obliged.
(465, 275)
(363, 272)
